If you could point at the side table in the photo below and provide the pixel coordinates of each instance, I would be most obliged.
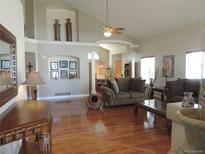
(161, 90)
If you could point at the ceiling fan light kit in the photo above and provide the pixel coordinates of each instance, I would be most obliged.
(107, 34)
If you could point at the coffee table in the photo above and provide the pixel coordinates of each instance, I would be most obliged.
(154, 106)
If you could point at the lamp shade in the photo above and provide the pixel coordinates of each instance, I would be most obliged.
(34, 79)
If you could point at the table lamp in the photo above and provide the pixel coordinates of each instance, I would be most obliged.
(33, 80)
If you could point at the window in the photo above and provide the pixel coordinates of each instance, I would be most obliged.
(96, 56)
(194, 64)
(147, 68)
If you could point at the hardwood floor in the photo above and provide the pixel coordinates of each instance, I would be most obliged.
(77, 130)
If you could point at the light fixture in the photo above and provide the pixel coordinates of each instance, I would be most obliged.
(107, 29)
(33, 80)
(107, 34)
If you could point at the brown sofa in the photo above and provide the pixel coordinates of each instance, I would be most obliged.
(175, 89)
(122, 91)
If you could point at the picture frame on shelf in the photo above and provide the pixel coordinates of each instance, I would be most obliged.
(72, 74)
(54, 74)
(64, 74)
(63, 64)
(5, 64)
(54, 65)
(72, 65)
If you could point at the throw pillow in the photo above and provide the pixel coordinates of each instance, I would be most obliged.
(176, 88)
(123, 84)
(137, 85)
(113, 85)
(192, 85)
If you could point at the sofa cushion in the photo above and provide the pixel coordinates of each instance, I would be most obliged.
(134, 94)
(123, 84)
(113, 85)
(136, 85)
(175, 88)
(122, 95)
(192, 85)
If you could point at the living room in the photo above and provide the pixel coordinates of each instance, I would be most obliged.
(166, 29)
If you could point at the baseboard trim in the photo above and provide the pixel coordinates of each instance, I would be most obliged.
(63, 97)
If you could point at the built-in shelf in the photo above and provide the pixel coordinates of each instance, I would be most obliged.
(34, 41)
(96, 44)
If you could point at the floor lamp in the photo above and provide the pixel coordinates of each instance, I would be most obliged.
(33, 80)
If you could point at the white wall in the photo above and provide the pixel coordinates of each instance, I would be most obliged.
(61, 15)
(173, 43)
(46, 49)
(11, 17)
(89, 29)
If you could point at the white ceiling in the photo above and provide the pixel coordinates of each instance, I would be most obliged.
(143, 19)
(115, 48)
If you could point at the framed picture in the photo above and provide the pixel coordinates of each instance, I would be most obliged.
(72, 74)
(54, 74)
(5, 64)
(63, 64)
(64, 74)
(73, 65)
(168, 66)
(54, 65)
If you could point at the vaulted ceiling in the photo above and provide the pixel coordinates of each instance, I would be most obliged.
(143, 19)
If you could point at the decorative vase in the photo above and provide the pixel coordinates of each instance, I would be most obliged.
(57, 35)
(68, 26)
(188, 100)
(194, 128)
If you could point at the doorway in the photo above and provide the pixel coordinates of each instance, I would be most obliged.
(117, 69)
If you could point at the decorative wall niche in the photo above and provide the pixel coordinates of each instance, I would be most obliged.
(62, 15)
(63, 67)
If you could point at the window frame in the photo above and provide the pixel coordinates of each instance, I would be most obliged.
(202, 64)
(154, 71)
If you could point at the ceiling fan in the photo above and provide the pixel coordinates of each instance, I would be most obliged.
(108, 30)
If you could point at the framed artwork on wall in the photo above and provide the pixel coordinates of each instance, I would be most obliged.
(64, 74)
(72, 74)
(168, 66)
(5, 64)
(54, 74)
(54, 65)
(63, 64)
(72, 65)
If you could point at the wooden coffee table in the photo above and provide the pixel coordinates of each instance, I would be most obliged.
(154, 106)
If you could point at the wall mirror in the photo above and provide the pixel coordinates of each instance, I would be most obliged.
(8, 72)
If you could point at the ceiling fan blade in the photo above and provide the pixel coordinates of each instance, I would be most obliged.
(118, 28)
(117, 32)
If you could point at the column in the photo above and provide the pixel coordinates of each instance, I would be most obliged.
(93, 88)
(132, 66)
(110, 59)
